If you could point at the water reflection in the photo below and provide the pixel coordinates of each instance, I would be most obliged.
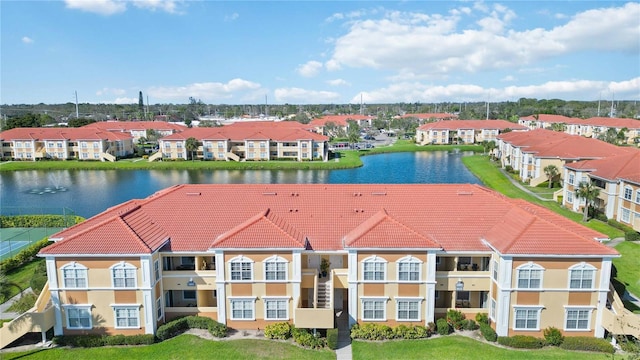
(90, 192)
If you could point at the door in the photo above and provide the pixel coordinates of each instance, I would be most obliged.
(336, 261)
(313, 262)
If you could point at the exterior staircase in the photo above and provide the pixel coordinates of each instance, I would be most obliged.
(155, 156)
(618, 320)
(39, 318)
(107, 156)
(324, 294)
(233, 156)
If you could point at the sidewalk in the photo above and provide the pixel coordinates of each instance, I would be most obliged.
(522, 187)
(4, 315)
(343, 352)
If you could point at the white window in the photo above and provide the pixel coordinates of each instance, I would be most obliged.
(220, 155)
(275, 269)
(127, 317)
(251, 145)
(18, 144)
(50, 144)
(85, 155)
(242, 309)
(96, 156)
(74, 275)
(492, 310)
(167, 145)
(527, 318)
(495, 270)
(241, 269)
(409, 269)
(96, 145)
(529, 276)
(78, 316)
(408, 309)
(374, 269)
(123, 275)
(638, 196)
(304, 145)
(581, 276)
(156, 270)
(276, 309)
(263, 144)
(220, 144)
(577, 319)
(179, 145)
(571, 178)
(159, 308)
(374, 309)
(569, 197)
(625, 215)
(628, 191)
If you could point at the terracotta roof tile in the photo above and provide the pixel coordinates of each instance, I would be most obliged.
(472, 125)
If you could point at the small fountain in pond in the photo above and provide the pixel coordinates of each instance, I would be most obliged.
(55, 187)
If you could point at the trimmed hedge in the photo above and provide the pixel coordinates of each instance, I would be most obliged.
(281, 330)
(371, 331)
(305, 338)
(410, 332)
(586, 343)
(24, 256)
(39, 221)
(521, 342)
(178, 326)
(443, 327)
(488, 333)
(332, 339)
(88, 341)
(632, 235)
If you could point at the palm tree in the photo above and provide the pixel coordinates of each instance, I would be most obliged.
(589, 193)
(5, 288)
(191, 145)
(551, 171)
(491, 145)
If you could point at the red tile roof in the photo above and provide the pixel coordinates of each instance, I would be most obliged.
(471, 125)
(135, 125)
(258, 131)
(340, 120)
(330, 217)
(426, 116)
(550, 118)
(44, 134)
(612, 168)
(553, 144)
(613, 122)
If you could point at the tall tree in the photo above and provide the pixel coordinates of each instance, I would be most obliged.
(589, 193)
(140, 102)
(551, 171)
(191, 145)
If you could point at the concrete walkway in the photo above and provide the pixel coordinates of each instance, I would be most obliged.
(522, 187)
(4, 314)
(343, 352)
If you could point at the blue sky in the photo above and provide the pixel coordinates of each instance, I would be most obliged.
(306, 52)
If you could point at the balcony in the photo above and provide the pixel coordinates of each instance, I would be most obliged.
(199, 302)
(314, 309)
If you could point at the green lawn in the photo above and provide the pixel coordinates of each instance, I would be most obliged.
(493, 178)
(22, 276)
(459, 347)
(628, 266)
(184, 347)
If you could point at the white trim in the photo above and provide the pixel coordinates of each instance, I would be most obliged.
(241, 259)
(384, 301)
(116, 307)
(409, 260)
(275, 259)
(374, 259)
(75, 266)
(244, 299)
(537, 308)
(78, 307)
(529, 267)
(568, 308)
(124, 266)
(582, 266)
(419, 300)
(286, 299)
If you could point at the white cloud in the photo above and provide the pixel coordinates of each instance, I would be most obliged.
(110, 91)
(338, 82)
(111, 7)
(231, 17)
(102, 7)
(124, 100)
(442, 45)
(508, 78)
(27, 40)
(207, 91)
(303, 96)
(310, 69)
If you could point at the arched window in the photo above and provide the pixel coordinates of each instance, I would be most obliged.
(627, 192)
(409, 269)
(581, 276)
(74, 275)
(123, 275)
(529, 276)
(275, 268)
(241, 268)
(374, 269)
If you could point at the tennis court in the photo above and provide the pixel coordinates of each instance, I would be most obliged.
(13, 240)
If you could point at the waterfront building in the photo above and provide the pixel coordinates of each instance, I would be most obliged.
(463, 131)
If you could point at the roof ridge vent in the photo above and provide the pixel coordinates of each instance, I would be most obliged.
(382, 193)
(465, 192)
(270, 193)
(193, 194)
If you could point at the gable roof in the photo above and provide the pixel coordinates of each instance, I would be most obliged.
(612, 168)
(53, 134)
(472, 125)
(320, 217)
(258, 130)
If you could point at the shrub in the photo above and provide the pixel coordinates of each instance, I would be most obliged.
(332, 338)
(281, 330)
(217, 329)
(521, 342)
(372, 332)
(431, 327)
(140, 339)
(28, 221)
(409, 332)
(508, 168)
(618, 225)
(456, 319)
(443, 327)
(488, 333)
(114, 340)
(469, 325)
(632, 236)
(586, 343)
(482, 318)
(178, 326)
(79, 340)
(553, 336)
(304, 338)
(172, 328)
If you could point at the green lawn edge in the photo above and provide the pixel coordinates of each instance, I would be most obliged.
(345, 160)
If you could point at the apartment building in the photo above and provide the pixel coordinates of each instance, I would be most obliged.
(255, 141)
(339, 122)
(31, 144)
(607, 176)
(138, 129)
(529, 153)
(629, 213)
(251, 255)
(545, 121)
(591, 127)
(463, 131)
